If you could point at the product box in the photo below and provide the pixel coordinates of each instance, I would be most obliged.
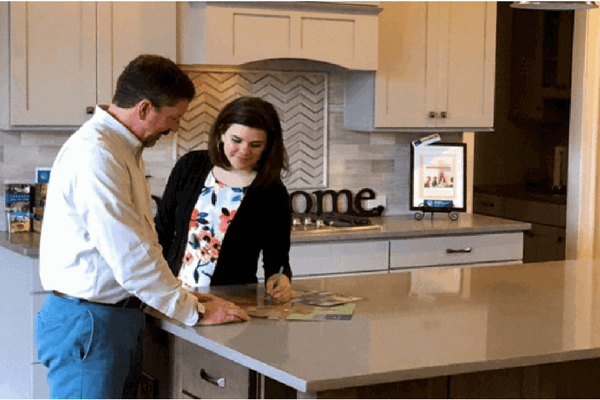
(39, 203)
(18, 205)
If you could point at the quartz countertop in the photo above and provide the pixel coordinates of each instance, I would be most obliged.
(24, 243)
(406, 226)
(392, 227)
(421, 324)
(523, 192)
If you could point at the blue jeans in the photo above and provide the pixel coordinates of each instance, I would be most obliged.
(91, 351)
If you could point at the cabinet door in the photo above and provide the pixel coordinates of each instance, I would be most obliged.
(436, 65)
(456, 250)
(53, 62)
(337, 258)
(404, 86)
(466, 64)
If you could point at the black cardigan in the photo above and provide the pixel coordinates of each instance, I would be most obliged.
(262, 222)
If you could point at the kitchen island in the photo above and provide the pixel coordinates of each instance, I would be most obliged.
(528, 330)
(398, 243)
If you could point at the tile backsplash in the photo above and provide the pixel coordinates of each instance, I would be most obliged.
(354, 160)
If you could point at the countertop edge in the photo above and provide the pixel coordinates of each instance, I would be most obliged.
(189, 334)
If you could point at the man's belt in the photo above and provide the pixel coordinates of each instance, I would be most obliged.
(130, 302)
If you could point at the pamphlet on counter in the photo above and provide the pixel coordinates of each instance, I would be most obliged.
(309, 306)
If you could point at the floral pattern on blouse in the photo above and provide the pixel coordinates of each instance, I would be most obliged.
(213, 212)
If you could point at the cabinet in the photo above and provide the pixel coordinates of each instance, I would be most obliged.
(309, 260)
(545, 241)
(63, 58)
(456, 250)
(436, 69)
(23, 375)
(233, 33)
(541, 57)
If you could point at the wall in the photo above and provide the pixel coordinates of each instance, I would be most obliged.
(356, 160)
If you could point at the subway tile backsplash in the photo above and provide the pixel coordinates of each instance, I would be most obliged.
(355, 160)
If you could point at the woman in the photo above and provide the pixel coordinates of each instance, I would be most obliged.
(222, 207)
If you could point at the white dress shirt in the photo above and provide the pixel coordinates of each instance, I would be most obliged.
(98, 238)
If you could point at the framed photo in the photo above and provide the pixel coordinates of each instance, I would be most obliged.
(438, 177)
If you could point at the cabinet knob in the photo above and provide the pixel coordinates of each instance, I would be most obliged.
(215, 381)
(89, 110)
(432, 114)
(443, 114)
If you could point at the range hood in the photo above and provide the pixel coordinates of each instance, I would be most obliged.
(235, 33)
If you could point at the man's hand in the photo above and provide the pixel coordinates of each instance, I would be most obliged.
(282, 293)
(219, 311)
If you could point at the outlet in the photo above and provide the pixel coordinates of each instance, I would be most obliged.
(376, 202)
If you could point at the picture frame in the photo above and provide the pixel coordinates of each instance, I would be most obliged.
(438, 177)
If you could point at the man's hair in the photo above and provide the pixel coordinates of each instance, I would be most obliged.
(155, 78)
(255, 113)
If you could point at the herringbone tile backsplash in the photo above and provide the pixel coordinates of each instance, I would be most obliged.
(300, 99)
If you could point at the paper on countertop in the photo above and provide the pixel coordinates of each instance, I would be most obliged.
(301, 312)
(426, 140)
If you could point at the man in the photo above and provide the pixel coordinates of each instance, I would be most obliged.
(99, 251)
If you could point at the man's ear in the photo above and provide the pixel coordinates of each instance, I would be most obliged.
(143, 108)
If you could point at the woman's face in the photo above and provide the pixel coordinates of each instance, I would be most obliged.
(243, 146)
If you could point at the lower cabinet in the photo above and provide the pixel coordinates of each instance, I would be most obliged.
(175, 368)
(22, 376)
(359, 257)
(456, 250)
(207, 375)
(545, 241)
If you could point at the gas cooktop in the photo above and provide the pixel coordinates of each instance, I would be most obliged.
(330, 222)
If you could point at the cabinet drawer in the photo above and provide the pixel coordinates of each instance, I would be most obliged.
(456, 250)
(331, 258)
(236, 379)
(488, 205)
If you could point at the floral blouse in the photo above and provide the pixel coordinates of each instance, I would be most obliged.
(215, 208)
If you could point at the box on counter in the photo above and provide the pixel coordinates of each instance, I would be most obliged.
(18, 204)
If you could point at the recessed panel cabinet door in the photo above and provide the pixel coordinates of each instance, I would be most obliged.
(53, 62)
(436, 65)
(467, 64)
(405, 83)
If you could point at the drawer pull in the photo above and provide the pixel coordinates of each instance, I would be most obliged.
(215, 381)
(453, 251)
(486, 204)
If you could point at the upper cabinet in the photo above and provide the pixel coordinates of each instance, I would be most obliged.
(233, 33)
(541, 58)
(63, 58)
(436, 70)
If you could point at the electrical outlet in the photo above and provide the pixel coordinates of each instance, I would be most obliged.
(376, 202)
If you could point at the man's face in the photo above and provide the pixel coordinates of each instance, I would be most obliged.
(161, 123)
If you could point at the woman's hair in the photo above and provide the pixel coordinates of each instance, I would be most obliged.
(155, 78)
(255, 113)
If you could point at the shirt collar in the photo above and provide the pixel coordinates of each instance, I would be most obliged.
(124, 134)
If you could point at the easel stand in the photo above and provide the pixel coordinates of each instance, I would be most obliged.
(453, 215)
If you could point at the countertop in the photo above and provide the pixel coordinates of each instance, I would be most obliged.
(523, 192)
(392, 227)
(421, 324)
(24, 243)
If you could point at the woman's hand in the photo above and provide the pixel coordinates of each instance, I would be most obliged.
(219, 311)
(282, 293)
